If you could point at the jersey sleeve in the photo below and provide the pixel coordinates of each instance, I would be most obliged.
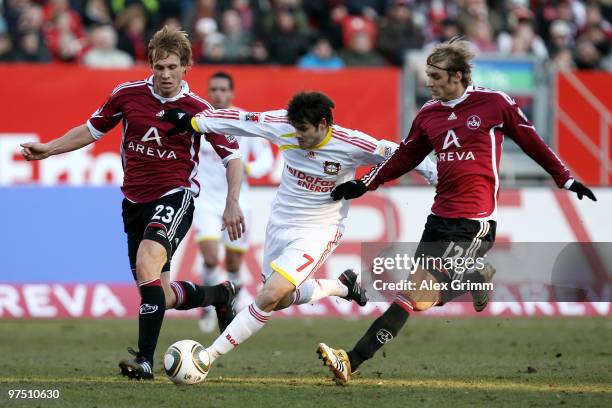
(225, 146)
(272, 125)
(521, 130)
(384, 149)
(411, 152)
(263, 158)
(107, 116)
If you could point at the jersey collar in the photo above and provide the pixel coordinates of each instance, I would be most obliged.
(454, 102)
(184, 90)
(325, 139)
(318, 146)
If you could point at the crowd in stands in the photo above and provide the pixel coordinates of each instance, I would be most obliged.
(316, 34)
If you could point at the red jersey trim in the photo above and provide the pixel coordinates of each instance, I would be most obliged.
(222, 114)
(361, 143)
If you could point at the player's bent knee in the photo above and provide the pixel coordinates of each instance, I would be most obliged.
(271, 296)
(422, 306)
(150, 258)
(285, 302)
(427, 293)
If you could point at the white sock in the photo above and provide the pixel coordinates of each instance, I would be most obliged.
(246, 323)
(314, 289)
(234, 277)
(208, 274)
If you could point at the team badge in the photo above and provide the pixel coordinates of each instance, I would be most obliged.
(331, 168)
(473, 122)
(384, 336)
(385, 151)
(252, 116)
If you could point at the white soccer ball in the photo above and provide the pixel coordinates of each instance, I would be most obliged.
(186, 362)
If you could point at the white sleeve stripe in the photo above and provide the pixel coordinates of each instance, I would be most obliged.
(95, 133)
(198, 98)
(232, 156)
(127, 85)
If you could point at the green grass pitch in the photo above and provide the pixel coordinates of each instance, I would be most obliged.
(436, 362)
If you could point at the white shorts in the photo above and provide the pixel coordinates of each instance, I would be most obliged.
(207, 222)
(296, 253)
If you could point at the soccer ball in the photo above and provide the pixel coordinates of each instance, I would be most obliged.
(186, 362)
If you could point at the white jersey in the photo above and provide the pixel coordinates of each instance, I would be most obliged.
(211, 172)
(309, 175)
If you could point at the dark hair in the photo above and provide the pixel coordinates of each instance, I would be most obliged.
(310, 107)
(224, 75)
(458, 56)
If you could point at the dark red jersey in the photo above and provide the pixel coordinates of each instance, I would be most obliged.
(466, 135)
(154, 164)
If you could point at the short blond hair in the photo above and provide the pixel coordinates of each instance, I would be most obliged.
(170, 41)
(457, 54)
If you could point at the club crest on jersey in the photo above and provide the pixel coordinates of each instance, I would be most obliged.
(386, 151)
(473, 122)
(311, 155)
(252, 116)
(331, 168)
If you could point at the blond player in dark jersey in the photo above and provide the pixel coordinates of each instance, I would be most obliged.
(159, 186)
(465, 126)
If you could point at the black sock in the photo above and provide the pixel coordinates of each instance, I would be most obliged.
(189, 295)
(383, 330)
(150, 318)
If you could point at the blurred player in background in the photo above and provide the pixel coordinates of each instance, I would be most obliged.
(159, 187)
(465, 126)
(305, 225)
(208, 216)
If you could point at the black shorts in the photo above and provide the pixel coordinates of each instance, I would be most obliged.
(165, 220)
(455, 238)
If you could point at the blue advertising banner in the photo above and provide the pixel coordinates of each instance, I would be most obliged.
(62, 234)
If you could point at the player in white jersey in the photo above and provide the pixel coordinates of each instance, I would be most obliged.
(305, 225)
(209, 207)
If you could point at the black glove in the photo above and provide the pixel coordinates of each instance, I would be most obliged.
(582, 190)
(349, 190)
(180, 119)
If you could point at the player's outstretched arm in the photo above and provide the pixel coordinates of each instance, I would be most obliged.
(522, 131)
(233, 219)
(74, 139)
(232, 122)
